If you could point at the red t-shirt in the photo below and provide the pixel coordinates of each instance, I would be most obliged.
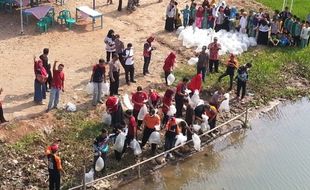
(180, 88)
(112, 104)
(138, 97)
(132, 127)
(214, 50)
(166, 104)
(58, 79)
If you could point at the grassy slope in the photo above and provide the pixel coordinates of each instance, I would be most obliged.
(301, 8)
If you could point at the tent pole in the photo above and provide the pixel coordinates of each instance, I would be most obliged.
(292, 2)
(21, 17)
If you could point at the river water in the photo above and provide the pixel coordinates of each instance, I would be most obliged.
(273, 155)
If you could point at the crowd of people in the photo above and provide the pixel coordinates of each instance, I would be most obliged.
(280, 29)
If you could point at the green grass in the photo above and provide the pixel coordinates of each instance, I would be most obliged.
(301, 8)
(268, 76)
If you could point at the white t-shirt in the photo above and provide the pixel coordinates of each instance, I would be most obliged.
(110, 44)
(129, 57)
(243, 22)
(305, 33)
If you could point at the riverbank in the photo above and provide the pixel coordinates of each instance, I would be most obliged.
(277, 74)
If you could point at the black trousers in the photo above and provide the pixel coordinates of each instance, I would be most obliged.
(215, 64)
(178, 105)
(241, 86)
(2, 120)
(146, 135)
(203, 71)
(129, 70)
(109, 55)
(169, 141)
(212, 123)
(120, 3)
(296, 40)
(135, 113)
(114, 85)
(121, 59)
(49, 79)
(54, 180)
(146, 65)
(165, 119)
(231, 78)
(167, 73)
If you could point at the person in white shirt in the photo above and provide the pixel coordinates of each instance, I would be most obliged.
(305, 33)
(243, 22)
(129, 64)
(110, 44)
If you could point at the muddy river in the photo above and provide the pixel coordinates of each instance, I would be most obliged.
(273, 155)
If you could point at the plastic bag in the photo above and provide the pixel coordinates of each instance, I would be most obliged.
(225, 104)
(70, 107)
(196, 141)
(119, 142)
(89, 177)
(196, 127)
(195, 99)
(142, 112)
(192, 61)
(89, 88)
(136, 147)
(157, 127)
(99, 164)
(172, 110)
(205, 124)
(105, 89)
(181, 139)
(127, 102)
(154, 138)
(107, 118)
(170, 79)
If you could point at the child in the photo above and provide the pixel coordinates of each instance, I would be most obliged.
(304, 36)
(2, 120)
(178, 21)
(242, 79)
(285, 40)
(185, 12)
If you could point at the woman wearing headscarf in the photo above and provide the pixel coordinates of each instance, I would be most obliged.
(195, 83)
(39, 82)
(147, 54)
(167, 102)
(170, 16)
(169, 65)
(114, 107)
(110, 44)
(263, 32)
(179, 96)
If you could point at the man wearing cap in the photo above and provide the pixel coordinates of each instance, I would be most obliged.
(114, 107)
(138, 99)
(54, 168)
(97, 77)
(214, 49)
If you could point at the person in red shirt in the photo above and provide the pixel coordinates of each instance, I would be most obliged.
(195, 83)
(147, 54)
(180, 95)
(57, 86)
(167, 102)
(97, 77)
(169, 65)
(114, 107)
(138, 99)
(54, 169)
(2, 119)
(214, 49)
(48, 149)
(172, 130)
(154, 99)
(132, 128)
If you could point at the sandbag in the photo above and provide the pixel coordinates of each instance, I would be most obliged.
(89, 88)
(181, 139)
(196, 127)
(170, 79)
(142, 112)
(89, 177)
(157, 127)
(119, 142)
(105, 89)
(127, 102)
(195, 99)
(196, 141)
(172, 110)
(224, 107)
(205, 124)
(154, 138)
(135, 147)
(107, 118)
(70, 107)
(99, 164)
